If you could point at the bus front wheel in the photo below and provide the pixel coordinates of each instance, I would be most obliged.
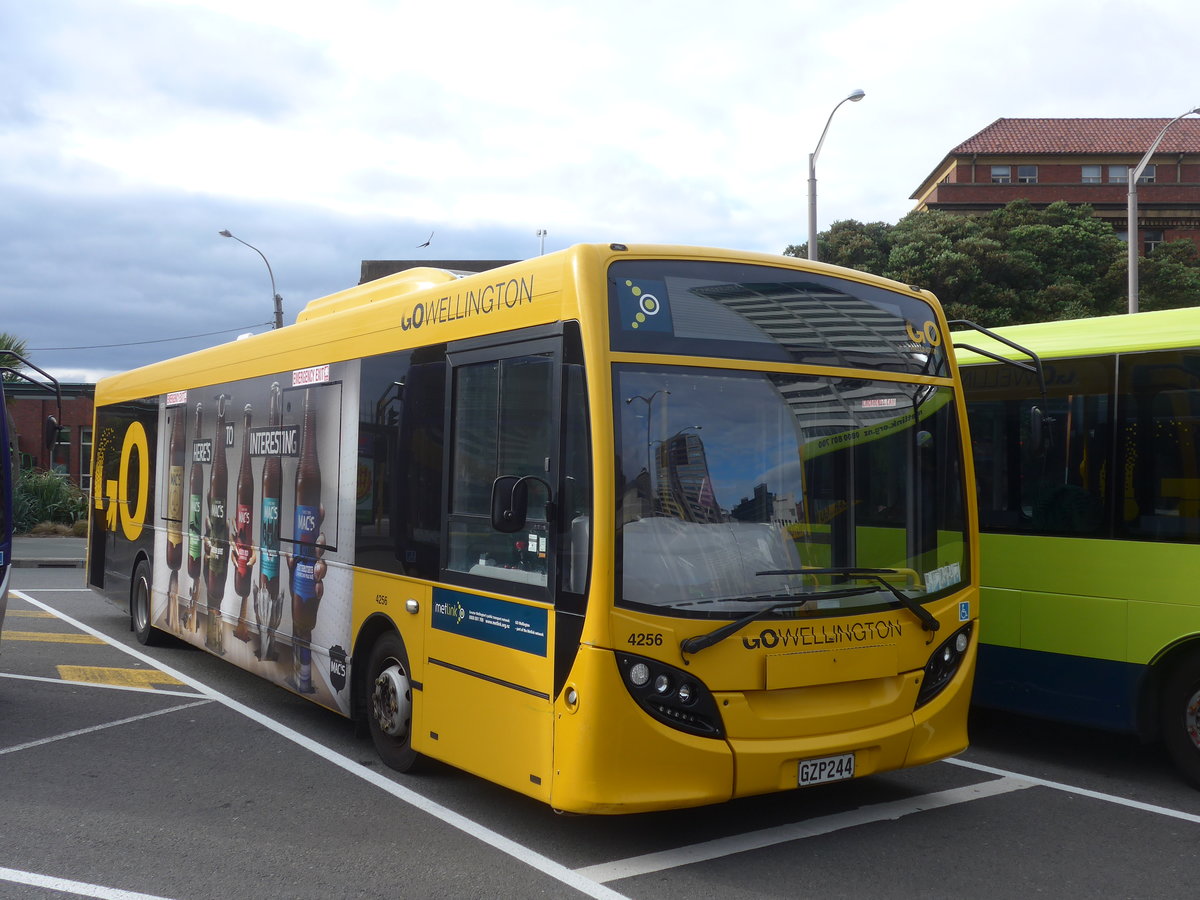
(389, 703)
(1181, 718)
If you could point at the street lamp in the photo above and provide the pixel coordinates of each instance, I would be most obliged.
(274, 296)
(853, 97)
(1132, 215)
(541, 233)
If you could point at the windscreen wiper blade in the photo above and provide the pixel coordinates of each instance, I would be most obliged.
(703, 641)
(928, 621)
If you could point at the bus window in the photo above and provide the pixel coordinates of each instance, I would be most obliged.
(503, 425)
(576, 498)
(1159, 441)
(417, 482)
(1059, 486)
(382, 396)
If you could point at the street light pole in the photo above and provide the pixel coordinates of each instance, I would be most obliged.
(853, 97)
(541, 233)
(1132, 213)
(274, 296)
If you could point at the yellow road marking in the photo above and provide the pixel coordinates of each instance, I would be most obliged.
(51, 638)
(119, 677)
(30, 614)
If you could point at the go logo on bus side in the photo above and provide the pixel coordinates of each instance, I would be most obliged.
(929, 334)
(119, 508)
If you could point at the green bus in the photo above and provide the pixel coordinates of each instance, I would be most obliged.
(1088, 481)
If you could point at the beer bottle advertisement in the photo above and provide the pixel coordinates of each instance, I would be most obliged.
(308, 507)
(267, 531)
(175, 490)
(216, 540)
(306, 586)
(196, 498)
(242, 535)
(268, 605)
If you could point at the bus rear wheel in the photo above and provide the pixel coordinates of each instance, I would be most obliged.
(139, 606)
(389, 703)
(1181, 719)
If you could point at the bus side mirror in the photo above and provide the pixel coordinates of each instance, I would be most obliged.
(510, 503)
(50, 432)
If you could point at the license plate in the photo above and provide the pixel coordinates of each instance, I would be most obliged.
(826, 769)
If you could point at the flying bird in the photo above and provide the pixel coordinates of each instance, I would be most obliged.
(427, 240)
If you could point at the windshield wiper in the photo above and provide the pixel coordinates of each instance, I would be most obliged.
(703, 641)
(928, 621)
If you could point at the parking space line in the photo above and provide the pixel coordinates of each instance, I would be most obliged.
(78, 888)
(94, 728)
(1078, 791)
(29, 614)
(482, 833)
(142, 678)
(109, 687)
(782, 834)
(49, 637)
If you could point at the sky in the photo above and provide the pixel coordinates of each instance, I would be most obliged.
(133, 131)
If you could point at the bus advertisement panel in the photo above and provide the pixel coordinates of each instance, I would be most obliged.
(710, 505)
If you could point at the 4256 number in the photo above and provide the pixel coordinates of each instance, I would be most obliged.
(645, 639)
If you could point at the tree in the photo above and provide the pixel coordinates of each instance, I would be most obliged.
(15, 344)
(1015, 264)
(852, 244)
(1169, 278)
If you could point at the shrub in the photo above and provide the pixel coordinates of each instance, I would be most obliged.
(42, 496)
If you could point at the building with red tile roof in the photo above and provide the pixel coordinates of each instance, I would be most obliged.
(1077, 161)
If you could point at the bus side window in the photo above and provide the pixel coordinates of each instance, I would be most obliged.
(417, 486)
(576, 498)
(1159, 437)
(504, 424)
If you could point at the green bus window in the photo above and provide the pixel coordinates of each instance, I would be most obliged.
(1159, 446)
(1060, 486)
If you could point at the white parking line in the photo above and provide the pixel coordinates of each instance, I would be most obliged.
(161, 692)
(94, 728)
(482, 833)
(1078, 791)
(79, 888)
(782, 834)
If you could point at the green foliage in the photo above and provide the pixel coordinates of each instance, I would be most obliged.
(41, 496)
(1169, 278)
(14, 343)
(1015, 264)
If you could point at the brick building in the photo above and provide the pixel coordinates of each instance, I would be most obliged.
(29, 406)
(1077, 161)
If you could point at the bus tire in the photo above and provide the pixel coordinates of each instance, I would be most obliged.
(139, 606)
(388, 703)
(1181, 718)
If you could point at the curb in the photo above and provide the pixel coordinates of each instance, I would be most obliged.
(27, 563)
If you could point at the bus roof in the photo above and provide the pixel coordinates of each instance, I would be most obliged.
(1160, 330)
(424, 305)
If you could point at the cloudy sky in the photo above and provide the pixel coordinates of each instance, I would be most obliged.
(133, 131)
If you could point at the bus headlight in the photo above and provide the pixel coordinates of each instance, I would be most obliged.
(943, 664)
(671, 695)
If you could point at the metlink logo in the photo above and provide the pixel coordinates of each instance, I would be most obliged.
(455, 611)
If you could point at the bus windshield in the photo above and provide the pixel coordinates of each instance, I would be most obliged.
(740, 490)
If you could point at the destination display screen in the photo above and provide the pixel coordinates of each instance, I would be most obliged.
(772, 314)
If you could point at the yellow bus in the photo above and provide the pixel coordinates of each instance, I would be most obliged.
(621, 528)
